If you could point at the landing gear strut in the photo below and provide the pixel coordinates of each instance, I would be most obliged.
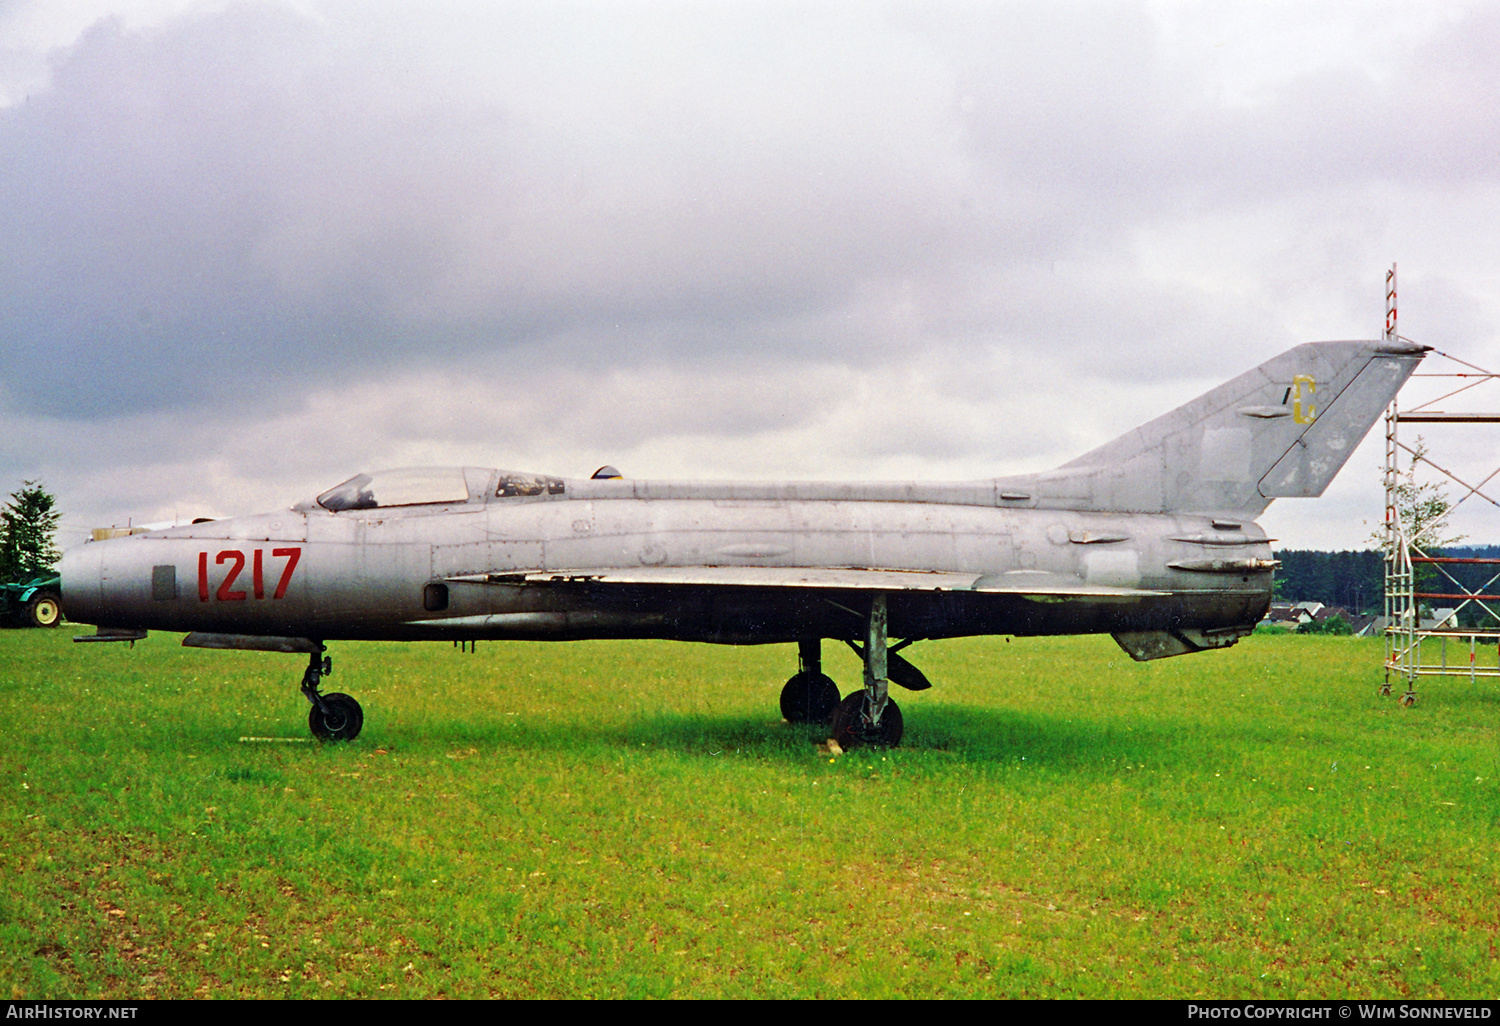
(869, 717)
(333, 717)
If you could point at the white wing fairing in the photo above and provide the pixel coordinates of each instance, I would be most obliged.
(1150, 538)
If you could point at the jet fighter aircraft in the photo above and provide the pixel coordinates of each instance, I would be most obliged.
(1151, 538)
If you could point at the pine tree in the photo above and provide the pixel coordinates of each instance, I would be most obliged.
(27, 525)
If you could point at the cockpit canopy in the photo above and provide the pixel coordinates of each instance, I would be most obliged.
(421, 486)
(411, 486)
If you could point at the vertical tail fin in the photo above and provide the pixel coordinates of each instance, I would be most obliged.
(1283, 429)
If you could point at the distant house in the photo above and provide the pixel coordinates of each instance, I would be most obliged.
(1290, 615)
(1440, 620)
(1311, 609)
(1361, 625)
(1294, 615)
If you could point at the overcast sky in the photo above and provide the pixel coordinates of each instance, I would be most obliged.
(248, 249)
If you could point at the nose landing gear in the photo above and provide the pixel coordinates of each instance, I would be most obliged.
(335, 716)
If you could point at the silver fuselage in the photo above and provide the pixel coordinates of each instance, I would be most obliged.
(521, 566)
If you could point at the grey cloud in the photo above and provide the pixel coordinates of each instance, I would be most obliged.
(252, 187)
(309, 200)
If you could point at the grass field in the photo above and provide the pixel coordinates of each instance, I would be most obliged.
(634, 820)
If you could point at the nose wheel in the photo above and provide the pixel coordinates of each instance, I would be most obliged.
(333, 717)
(339, 718)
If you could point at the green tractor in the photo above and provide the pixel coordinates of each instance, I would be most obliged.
(33, 603)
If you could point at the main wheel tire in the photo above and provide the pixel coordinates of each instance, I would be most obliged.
(343, 721)
(809, 698)
(850, 733)
(44, 610)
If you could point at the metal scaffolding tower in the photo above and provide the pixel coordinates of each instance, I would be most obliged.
(1419, 580)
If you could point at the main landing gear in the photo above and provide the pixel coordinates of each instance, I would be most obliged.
(333, 717)
(811, 695)
(868, 716)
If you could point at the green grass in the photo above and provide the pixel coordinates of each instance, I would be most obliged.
(633, 820)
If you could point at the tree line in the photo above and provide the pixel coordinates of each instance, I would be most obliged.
(1355, 580)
